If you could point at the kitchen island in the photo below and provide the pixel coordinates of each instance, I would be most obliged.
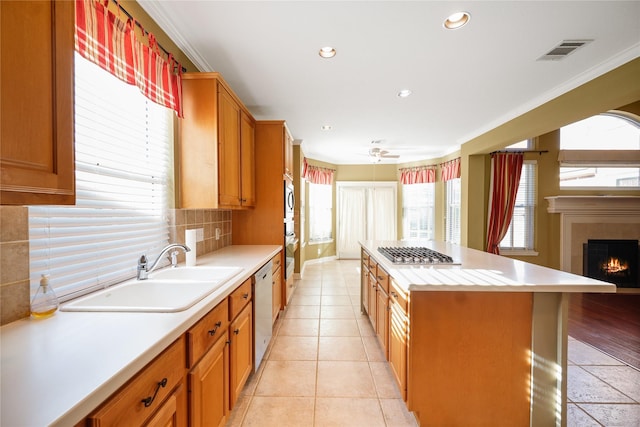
(481, 340)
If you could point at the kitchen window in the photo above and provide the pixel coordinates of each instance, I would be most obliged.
(123, 146)
(418, 201)
(452, 217)
(320, 204)
(519, 237)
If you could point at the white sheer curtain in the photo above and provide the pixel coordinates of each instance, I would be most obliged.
(382, 206)
(351, 223)
(366, 211)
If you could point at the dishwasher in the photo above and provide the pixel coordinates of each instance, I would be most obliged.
(263, 304)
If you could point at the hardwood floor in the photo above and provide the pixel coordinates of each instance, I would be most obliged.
(609, 322)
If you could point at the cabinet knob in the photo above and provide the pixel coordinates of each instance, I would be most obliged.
(149, 400)
(245, 296)
(213, 331)
(394, 295)
(237, 331)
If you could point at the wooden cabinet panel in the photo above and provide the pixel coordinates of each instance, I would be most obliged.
(382, 277)
(288, 154)
(153, 384)
(458, 342)
(372, 304)
(398, 347)
(216, 147)
(239, 298)
(382, 319)
(203, 334)
(398, 296)
(173, 412)
(364, 286)
(241, 352)
(209, 387)
(228, 149)
(277, 293)
(247, 161)
(36, 125)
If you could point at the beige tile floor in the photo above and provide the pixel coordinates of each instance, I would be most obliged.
(324, 367)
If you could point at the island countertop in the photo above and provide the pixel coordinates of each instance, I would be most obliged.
(475, 270)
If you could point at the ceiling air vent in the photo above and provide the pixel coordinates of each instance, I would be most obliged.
(563, 49)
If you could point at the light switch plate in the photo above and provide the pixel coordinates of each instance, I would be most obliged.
(199, 234)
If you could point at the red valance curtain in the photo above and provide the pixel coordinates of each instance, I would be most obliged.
(316, 174)
(450, 170)
(505, 179)
(110, 42)
(418, 175)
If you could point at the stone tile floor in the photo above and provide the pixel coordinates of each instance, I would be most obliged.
(324, 367)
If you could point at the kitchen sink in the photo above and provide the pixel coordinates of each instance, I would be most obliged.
(166, 291)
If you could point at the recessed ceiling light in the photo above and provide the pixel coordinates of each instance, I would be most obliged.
(404, 93)
(326, 127)
(457, 20)
(327, 52)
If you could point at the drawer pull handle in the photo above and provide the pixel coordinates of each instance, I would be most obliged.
(149, 400)
(245, 296)
(237, 331)
(394, 295)
(217, 325)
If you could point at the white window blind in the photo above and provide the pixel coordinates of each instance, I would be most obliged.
(418, 211)
(320, 212)
(452, 218)
(521, 230)
(123, 152)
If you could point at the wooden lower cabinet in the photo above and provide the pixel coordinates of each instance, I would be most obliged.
(209, 387)
(241, 352)
(398, 347)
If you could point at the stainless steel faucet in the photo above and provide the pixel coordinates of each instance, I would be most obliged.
(143, 264)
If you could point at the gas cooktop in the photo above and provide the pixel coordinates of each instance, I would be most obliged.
(415, 255)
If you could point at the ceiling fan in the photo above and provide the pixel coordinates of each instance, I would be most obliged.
(377, 154)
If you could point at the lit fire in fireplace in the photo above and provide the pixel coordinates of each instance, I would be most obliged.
(614, 266)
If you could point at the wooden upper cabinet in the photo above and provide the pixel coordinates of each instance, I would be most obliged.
(228, 149)
(288, 153)
(247, 161)
(36, 124)
(216, 153)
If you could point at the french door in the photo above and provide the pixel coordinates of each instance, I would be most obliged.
(365, 211)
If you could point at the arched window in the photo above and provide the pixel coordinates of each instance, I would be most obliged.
(602, 151)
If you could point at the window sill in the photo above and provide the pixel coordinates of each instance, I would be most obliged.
(518, 252)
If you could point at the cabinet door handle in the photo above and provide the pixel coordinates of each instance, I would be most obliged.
(217, 325)
(149, 400)
(394, 295)
(237, 331)
(245, 296)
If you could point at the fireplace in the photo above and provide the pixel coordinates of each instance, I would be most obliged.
(614, 261)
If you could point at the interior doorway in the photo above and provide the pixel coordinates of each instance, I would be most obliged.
(365, 211)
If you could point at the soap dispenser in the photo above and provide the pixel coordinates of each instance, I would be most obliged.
(44, 302)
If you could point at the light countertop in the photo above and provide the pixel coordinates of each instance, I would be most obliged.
(480, 271)
(57, 370)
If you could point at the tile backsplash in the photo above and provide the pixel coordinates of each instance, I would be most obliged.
(14, 249)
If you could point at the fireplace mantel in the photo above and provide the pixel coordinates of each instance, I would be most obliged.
(600, 217)
(614, 205)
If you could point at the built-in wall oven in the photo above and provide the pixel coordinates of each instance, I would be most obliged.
(290, 239)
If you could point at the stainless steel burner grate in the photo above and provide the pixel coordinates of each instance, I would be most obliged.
(415, 255)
